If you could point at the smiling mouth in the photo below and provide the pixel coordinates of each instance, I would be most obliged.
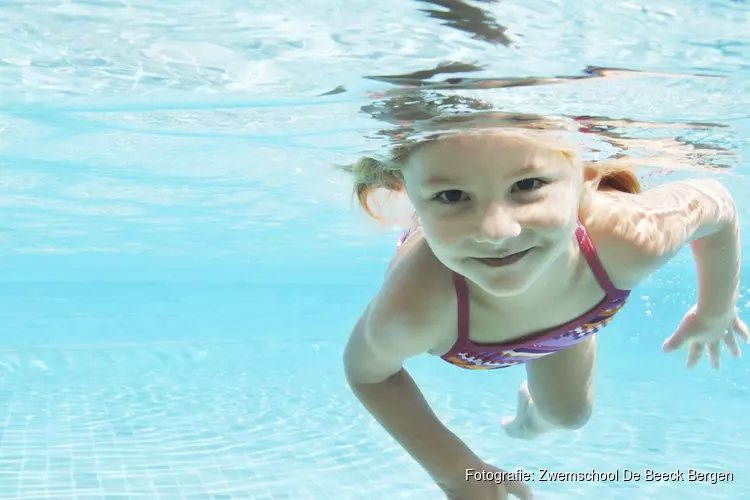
(504, 261)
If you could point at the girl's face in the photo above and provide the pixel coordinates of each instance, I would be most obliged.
(495, 208)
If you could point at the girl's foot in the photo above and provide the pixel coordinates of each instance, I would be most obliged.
(527, 424)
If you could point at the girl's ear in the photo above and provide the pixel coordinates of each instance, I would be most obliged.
(591, 179)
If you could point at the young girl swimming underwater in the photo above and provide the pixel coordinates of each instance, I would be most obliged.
(521, 254)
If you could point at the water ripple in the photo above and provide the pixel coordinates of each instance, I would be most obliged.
(159, 122)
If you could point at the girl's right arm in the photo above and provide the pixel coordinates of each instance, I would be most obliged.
(373, 362)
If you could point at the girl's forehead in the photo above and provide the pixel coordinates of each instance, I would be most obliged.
(486, 149)
(497, 140)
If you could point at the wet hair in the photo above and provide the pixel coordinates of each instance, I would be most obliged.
(615, 176)
(371, 174)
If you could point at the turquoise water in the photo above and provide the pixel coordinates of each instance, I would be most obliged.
(181, 268)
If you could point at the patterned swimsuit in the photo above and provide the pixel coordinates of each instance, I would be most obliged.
(472, 356)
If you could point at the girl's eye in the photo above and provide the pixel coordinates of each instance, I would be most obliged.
(449, 196)
(529, 184)
(452, 196)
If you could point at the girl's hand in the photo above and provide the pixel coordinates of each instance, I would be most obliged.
(486, 488)
(703, 331)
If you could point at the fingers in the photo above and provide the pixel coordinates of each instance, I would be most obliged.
(714, 354)
(731, 342)
(694, 353)
(714, 351)
(673, 343)
(741, 328)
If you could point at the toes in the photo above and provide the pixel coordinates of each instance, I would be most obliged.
(514, 428)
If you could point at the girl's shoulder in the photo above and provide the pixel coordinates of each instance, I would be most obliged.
(613, 231)
(417, 296)
(636, 234)
(406, 318)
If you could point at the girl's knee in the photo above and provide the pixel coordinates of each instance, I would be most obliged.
(567, 415)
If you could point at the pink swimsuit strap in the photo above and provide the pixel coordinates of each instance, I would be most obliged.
(613, 296)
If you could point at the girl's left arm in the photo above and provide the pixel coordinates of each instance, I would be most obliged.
(646, 230)
(716, 249)
(640, 233)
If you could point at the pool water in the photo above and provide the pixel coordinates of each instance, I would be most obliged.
(161, 391)
(181, 267)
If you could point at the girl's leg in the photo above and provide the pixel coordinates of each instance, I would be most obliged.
(559, 393)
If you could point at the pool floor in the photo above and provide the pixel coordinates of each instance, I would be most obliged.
(268, 415)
